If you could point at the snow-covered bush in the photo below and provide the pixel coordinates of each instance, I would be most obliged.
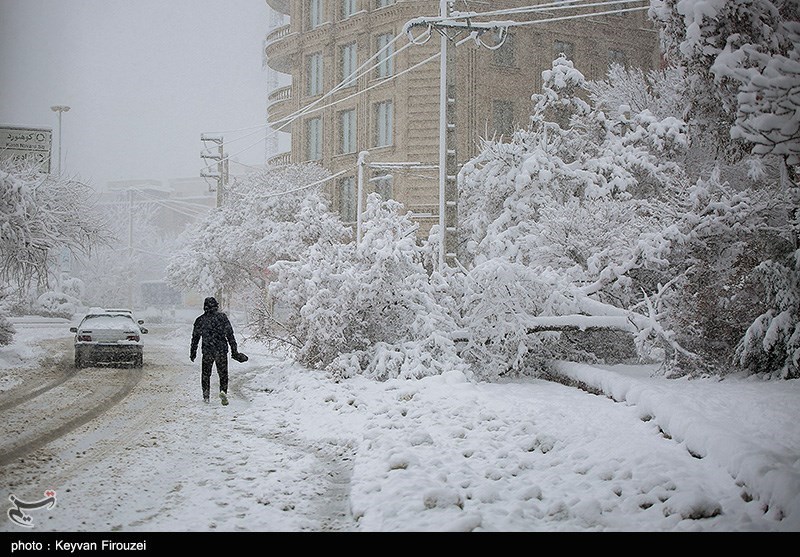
(369, 308)
(741, 60)
(772, 342)
(73, 287)
(499, 297)
(56, 304)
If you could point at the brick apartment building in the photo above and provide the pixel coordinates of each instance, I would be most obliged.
(396, 117)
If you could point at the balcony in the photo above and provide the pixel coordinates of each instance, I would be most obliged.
(281, 49)
(278, 106)
(280, 6)
(280, 160)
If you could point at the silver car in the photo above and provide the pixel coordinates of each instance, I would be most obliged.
(107, 338)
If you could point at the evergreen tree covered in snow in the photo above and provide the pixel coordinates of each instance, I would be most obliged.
(370, 307)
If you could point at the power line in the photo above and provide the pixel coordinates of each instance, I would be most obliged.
(356, 74)
(562, 4)
(311, 185)
(548, 7)
(310, 108)
(576, 16)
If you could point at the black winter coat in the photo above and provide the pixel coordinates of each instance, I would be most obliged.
(216, 331)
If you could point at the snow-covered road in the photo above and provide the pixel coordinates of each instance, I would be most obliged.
(295, 451)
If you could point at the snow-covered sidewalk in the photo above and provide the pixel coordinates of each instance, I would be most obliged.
(748, 426)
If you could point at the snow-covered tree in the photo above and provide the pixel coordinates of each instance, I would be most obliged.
(595, 218)
(742, 62)
(567, 223)
(369, 308)
(268, 216)
(6, 327)
(772, 342)
(41, 214)
(110, 275)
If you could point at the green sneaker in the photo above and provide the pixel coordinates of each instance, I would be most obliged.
(223, 396)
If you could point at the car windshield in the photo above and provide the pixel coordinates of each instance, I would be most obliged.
(108, 322)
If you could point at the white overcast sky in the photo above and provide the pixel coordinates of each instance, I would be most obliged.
(143, 78)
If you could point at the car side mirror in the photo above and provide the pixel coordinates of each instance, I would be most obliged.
(73, 329)
(144, 331)
(141, 322)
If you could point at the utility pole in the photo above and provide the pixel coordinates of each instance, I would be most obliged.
(130, 243)
(222, 164)
(449, 25)
(448, 161)
(362, 161)
(61, 109)
(221, 175)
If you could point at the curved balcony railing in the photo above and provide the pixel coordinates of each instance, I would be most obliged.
(281, 94)
(277, 106)
(280, 160)
(278, 33)
(278, 52)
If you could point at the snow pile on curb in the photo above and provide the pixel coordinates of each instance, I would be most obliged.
(703, 425)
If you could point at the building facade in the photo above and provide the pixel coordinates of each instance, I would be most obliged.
(392, 110)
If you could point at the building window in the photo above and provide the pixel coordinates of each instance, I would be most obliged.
(385, 49)
(383, 186)
(503, 117)
(505, 55)
(314, 139)
(315, 13)
(347, 199)
(349, 65)
(347, 131)
(314, 74)
(565, 48)
(348, 8)
(384, 124)
(616, 57)
(383, 3)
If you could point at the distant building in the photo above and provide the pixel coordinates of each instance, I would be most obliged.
(324, 41)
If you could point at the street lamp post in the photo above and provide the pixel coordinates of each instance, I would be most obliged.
(60, 109)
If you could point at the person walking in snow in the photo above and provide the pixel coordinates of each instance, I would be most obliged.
(216, 330)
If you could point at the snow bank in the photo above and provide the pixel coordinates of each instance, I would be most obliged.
(760, 454)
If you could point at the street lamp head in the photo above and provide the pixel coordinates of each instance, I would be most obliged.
(59, 108)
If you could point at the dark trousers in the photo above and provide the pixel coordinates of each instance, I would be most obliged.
(221, 359)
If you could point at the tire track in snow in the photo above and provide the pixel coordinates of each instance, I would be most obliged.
(65, 418)
(33, 388)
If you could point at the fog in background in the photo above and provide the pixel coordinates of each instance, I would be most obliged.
(143, 78)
